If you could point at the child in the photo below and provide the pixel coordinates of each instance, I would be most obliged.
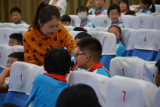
(120, 47)
(157, 74)
(66, 20)
(16, 16)
(145, 6)
(124, 6)
(15, 39)
(48, 86)
(82, 12)
(99, 10)
(88, 56)
(130, 13)
(80, 95)
(114, 13)
(16, 56)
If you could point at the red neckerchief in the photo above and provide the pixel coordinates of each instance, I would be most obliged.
(57, 77)
(125, 11)
(83, 25)
(98, 13)
(74, 66)
(8, 75)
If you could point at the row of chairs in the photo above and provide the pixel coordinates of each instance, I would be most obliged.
(141, 21)
(15, 26)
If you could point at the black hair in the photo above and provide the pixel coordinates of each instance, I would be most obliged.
(65, 18)
(82, 8)
(125, 1)
(79, 95)
(91, 45)
(45, 13)
(149, 2)
(15, 9)
(18, 55)
(82, 35)
(112, 7)
(9, 105)
(130, 13)
(158, 65)
(79, 29)
(57, 61)
(17, 36)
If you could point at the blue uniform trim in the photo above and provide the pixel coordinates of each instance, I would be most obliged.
(120, 50)
(118, 23)
(146, 11)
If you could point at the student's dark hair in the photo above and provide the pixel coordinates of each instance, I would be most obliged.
(149, 2)
(57, 61)
(158, 65)
(82, 35)
(15, 9)
(18, 55)
(79, 29)
(157, 2)
(112, 7)
(9, 105)
(130, 13)
(17, 36)
(82, 8)
(45, 13)
(91, 45)
(80, 95)
(125, 1)
(65, 18)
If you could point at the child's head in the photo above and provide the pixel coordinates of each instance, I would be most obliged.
(82, 35)
(99, 3)
(16, 14)
(114, 12)
(89, 52)
(157, 75)
(116, 30)
(82, 12)
(145, 4)
(15, 39)
(80, 95)
(13, 57)
(130, 13)
(66, 20)
(124, 4)
(57, 61)
(79, 29)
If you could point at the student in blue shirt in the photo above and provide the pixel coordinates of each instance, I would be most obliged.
(82, 12)
(48, 86)
(88, 56)
(114, 13)
(16, 16)
(120, 47)
(144, 7)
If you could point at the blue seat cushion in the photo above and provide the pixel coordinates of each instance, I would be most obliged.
(129, 52)
(105, 60)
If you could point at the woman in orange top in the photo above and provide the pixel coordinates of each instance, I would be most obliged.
(46, 33)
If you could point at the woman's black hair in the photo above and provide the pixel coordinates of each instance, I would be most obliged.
(112, 7)
(45, 13)
(149, 2)
(80, 95)
(82, 8)
(125, 1)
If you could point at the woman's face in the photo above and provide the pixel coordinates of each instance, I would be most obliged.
(116, 32)
(123, 6)
(50, 27)
(114, 15)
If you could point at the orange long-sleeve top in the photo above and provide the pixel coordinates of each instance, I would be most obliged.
(36, 44)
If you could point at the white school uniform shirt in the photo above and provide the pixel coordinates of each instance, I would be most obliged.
(62, 4)
(148, 11)
(93, 11)
(87, 23)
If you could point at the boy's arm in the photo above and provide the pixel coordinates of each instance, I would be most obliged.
(3, 75)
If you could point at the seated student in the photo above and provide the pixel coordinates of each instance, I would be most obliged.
(144, 7)
(114, 13)
(82, 12)
(99, 10)
(157, 74)
(79, 29)
(16, 16)
(79, 95)
(124, 6)
(9, 105)
(48, 86)
(120, 47)
(66, 20)
(88, 56)
(4, 76)
(15, 39)
(130, 13)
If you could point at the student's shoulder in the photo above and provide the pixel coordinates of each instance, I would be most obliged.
(40, 78)
(102, 71)
(121, 46)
